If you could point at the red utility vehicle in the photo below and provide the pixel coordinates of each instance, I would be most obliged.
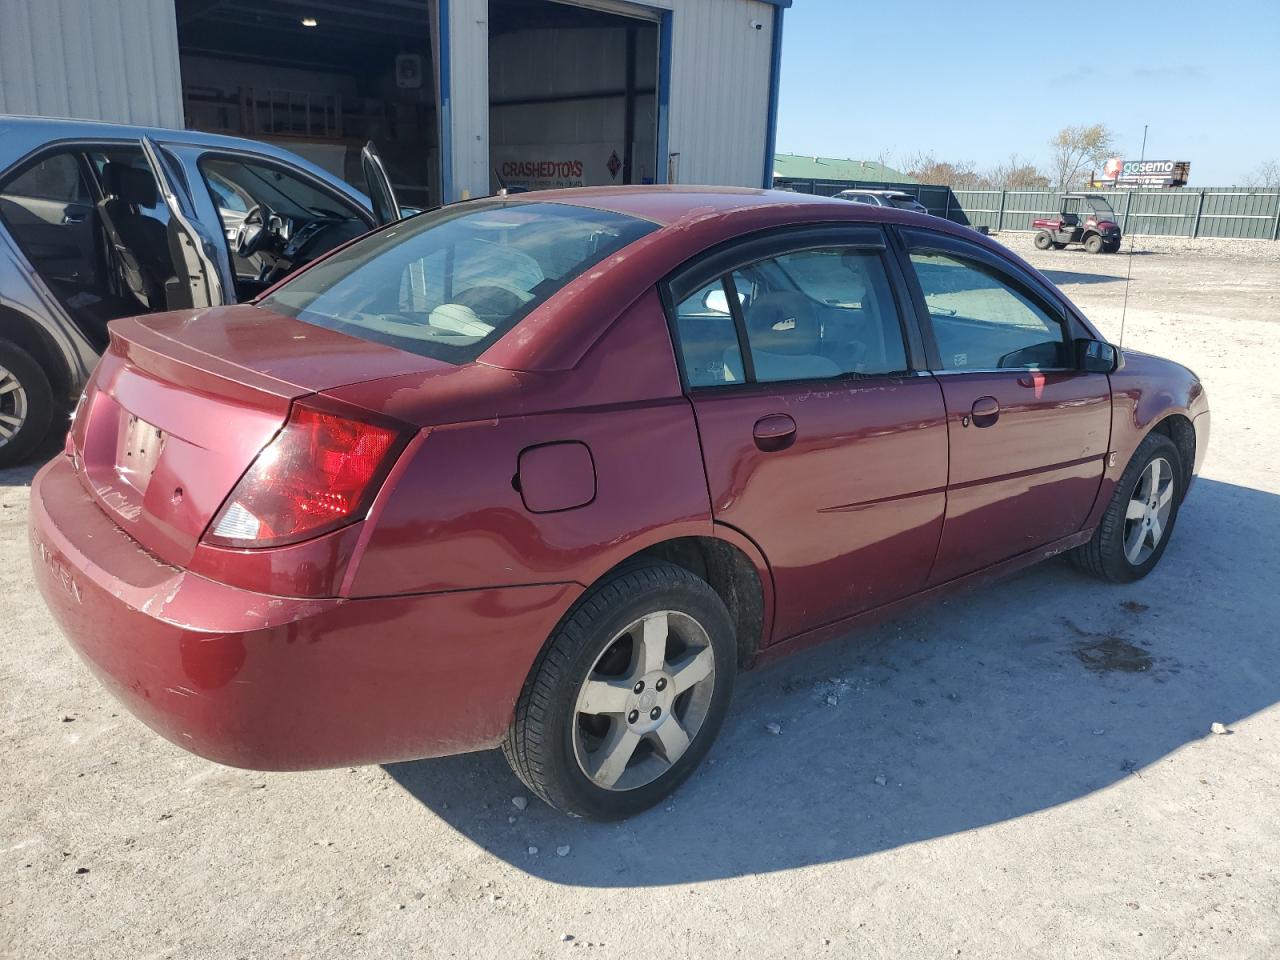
(544, 473)
(1084, 218)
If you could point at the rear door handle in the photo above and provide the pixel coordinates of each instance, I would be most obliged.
(984, 412)
(774, 432)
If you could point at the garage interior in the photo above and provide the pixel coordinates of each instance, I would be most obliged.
(572, 89)
(572, 95)
(320, 78)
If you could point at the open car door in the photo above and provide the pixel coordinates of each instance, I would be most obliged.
(385, 207)
(198, 282)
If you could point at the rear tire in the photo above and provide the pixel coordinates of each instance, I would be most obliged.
(1043, 241)
(1093, 244)
(26, 404)
(627, 695)
(1139, 520)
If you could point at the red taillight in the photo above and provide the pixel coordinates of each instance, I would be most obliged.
(319, 473)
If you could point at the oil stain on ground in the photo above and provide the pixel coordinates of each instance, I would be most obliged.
(1104, 653)
(1112, 655)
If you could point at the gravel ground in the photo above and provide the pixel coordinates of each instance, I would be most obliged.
(1026, 771)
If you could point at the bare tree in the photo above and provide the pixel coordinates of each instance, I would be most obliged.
(928, 169)
(1016, 173)
(1077, 150)
(1264, 175)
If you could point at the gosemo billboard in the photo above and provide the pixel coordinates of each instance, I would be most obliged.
(1146, 173)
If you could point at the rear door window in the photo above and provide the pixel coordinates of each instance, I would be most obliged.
(810, 314)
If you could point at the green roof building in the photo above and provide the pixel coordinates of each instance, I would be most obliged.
(828, 175)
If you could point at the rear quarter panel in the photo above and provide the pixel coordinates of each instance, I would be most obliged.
(455, 518)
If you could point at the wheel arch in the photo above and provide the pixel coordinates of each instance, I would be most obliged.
(20, 329)
(734, 568)
(1177, 427)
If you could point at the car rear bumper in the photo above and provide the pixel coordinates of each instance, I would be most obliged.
(279, 683)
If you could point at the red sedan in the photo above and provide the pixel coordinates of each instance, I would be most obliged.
(546, 472)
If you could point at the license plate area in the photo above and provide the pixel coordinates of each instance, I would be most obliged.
(138, 452)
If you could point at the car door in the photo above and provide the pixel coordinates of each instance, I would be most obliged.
(1029, 432)
(386, 208)
(199, 282)
(821, 439)
(49, 211)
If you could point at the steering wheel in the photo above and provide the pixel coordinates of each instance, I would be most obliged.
(252, 234)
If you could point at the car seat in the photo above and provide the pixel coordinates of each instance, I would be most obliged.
(140, 241)
(786, 340)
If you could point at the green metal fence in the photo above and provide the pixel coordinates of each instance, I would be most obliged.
(1229, 212)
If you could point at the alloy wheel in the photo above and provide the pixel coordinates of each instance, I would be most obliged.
(13, 406)
(644, 700)
(1147, 515)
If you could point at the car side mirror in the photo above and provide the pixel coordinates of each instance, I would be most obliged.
(1097, 356)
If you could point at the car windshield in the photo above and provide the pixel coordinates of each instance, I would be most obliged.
(447, 284)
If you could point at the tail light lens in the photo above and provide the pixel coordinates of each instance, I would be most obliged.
(319, 473)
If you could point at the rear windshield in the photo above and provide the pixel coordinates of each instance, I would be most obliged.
(449, 283)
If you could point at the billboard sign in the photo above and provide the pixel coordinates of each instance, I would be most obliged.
(1145, 173)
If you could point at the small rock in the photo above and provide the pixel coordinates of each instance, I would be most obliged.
(1099, 732)
(399, 906)
(566, 937)
(81, 870)
(511, 819)
(882, 780)
(533, 851)
(773, 727)
(1218, 728)
(563, 851)
(66, 718)
(832, 700)
(519, 802)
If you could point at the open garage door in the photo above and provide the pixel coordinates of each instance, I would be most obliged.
(572, 94)
(321, 78)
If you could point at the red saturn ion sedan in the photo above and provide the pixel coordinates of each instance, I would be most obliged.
(545, 472)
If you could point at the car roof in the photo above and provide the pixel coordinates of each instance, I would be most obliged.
(669, 205)
(20, 135)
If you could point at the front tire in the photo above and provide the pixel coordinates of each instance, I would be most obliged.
(1093, 244)
(1135, 529)
(627, 696)
(26, 404)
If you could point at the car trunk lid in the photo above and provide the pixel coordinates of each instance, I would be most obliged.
(182, 403)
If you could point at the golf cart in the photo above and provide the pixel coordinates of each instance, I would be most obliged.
(1083, 218)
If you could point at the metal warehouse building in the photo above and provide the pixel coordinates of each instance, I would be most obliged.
(461, 97)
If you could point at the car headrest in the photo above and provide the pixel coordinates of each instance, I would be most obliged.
(130, 184)
(783, 322)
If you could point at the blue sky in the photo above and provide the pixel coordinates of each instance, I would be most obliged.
(977, 81)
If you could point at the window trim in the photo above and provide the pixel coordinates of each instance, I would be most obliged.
(918, 239)
(720, 261)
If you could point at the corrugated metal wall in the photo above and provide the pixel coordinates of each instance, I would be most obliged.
(468, 58)
(720, 67)
(95, 59)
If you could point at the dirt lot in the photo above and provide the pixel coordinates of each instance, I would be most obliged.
(1050, 784)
